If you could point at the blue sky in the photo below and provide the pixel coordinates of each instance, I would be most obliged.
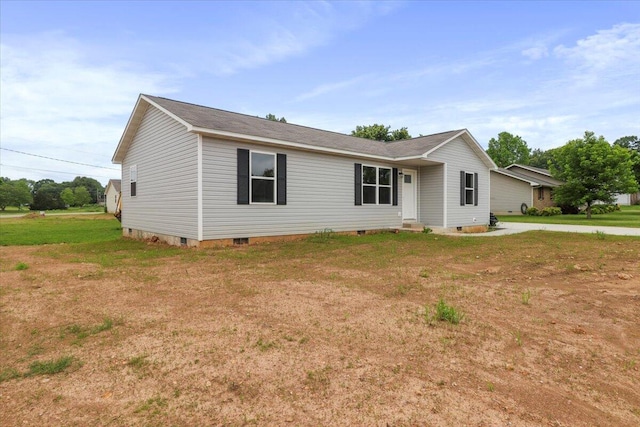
(547, 71)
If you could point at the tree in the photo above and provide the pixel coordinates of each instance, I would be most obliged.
(47, 195)
(273, 118)
(14, 193)
(632, 143)
(81, 196)
(381, 133)
(592, 171)
(508, 149)
(93, 186)
(68, 197)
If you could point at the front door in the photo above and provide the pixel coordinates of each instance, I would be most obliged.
(409, 195)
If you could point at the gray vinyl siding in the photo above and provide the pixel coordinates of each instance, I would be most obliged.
(166, 156)
(431, 197)
(320, 195)
(459, 156)
(508, 194)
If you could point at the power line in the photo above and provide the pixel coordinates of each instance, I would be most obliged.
(46, 170)
(58, 160)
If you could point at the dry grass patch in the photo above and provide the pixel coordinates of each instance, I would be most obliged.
(334, 329)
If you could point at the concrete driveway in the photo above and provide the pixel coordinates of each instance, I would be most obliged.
(520, 227)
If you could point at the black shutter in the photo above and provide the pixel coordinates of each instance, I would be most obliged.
(282, 179)
(358, 181)
(475, 189)
(243, 176)
(394, 187)
(462, 188)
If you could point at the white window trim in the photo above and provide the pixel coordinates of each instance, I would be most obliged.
(472, 188)
(266, 178)
(377, 185)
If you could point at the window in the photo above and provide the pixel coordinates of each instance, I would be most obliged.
(540, 193)
(133, 179)
(468, 188)
(263, 177)
(376, 185)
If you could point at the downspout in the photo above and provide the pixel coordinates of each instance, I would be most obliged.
(200, 216)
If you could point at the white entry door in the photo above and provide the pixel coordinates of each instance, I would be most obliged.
(409, 195)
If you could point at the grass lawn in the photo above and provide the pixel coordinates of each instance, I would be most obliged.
(628, 216)
(12, 210)
(58, 229)
(382, 329)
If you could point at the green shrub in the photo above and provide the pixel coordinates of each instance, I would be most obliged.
(532, 211)
(602, 209)
(551, 211)
(447, 313)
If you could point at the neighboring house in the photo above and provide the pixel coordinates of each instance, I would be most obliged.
(193, 174)
(627, 199)
(111, 195)
(517, 187)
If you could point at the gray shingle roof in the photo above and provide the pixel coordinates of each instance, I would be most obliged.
(115, 183)
(532, 179)
(226, 121)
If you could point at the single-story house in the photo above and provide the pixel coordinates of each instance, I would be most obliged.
(518, 187)
(627, 199)
(195, 175)
(111, 195)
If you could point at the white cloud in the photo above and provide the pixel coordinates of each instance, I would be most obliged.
(333, 87)
(536, 52)
(292, 29)
(617, 47)
(54, 101)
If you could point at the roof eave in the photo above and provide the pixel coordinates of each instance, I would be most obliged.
(473, 143)
(282, 143)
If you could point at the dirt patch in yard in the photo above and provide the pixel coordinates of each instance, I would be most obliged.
(338, 332)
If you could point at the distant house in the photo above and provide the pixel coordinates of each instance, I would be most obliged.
(518, 187)
(195, 175)
(627, 199)
(111, 195)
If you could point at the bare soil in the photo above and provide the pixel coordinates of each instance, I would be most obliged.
(292, 334)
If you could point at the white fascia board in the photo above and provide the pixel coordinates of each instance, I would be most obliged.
(475, 146)
(125, 135)
(278, 142)
(200, 192)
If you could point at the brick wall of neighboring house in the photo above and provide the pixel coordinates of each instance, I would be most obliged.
(542, 198)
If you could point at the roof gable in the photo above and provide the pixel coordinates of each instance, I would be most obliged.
(226, 124)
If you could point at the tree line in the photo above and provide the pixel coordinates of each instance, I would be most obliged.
(46, 194)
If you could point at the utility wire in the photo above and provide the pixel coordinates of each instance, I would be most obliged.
(58, 160)
(46, 170)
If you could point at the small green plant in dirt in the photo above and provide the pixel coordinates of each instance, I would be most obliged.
(318, 379)
(447, 313)
(50, 367)
(82, 332)
(526, 296)
(424, 273)
(138, 362)
(490, 386)
(518, 336)
(7, 374)
(21, 266)
(600, 235)
(322, 236)
(427, 230)
(264, 345)
(154, 405)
